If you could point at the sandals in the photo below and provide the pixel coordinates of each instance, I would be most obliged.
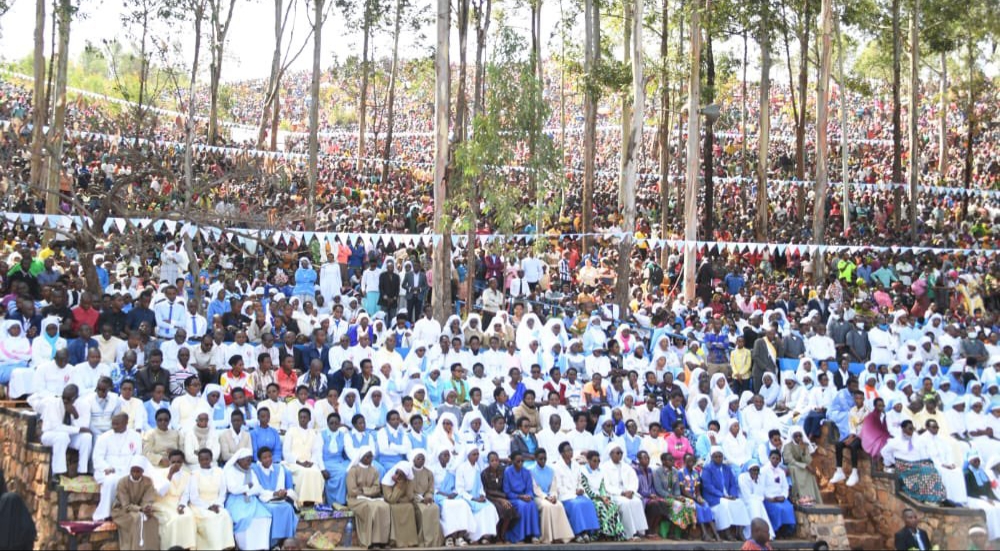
(461, 542)
(449, 542)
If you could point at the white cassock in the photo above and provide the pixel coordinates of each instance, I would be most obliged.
(941, 451)
(301, 444)
(752, 495)
(113, 451)
(468, 485)
(330, 281)
(618, 479)
(755, 423)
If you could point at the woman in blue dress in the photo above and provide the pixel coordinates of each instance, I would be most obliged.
(520, 490)
(305, 282)
(690, 482)
(416, 435)
(278, 495)
(251, 520)
(335, 462)
(359, 438)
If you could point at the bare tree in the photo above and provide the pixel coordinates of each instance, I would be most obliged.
(318, 18)
(591, 62)
(281, 60)
(64, 17)
(40, 101)
(221, 16)
(633, 144)
(393, 73)
(822, 131)
(442, 110)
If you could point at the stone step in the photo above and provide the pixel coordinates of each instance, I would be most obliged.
(856, 526)
(867, 542)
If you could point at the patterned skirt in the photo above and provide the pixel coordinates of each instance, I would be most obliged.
(682, 513)
(609, 514)
(921, 480)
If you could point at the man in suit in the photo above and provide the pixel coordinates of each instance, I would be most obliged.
(288, 348)
(764, 356)
(388, 289)
(911, 537)
(415, 287)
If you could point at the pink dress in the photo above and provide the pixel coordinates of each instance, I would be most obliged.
(678, 448)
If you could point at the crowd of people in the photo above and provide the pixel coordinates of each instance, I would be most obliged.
(212, 407)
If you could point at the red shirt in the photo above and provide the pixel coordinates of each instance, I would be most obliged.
(287, 382)
(81, 316)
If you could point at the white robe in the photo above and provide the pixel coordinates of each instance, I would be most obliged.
(330, 281)
(113, 451)
(752, 495)
(941, 451)
(618, 479)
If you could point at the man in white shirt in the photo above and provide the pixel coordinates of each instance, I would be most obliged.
(50, 378)
(243, 348)
(170, 313)
(85, 375)
(363, 350)
(207, 358)
(649, 414)
(268, 347)
(551, 408)
(427, 329)
(531, 270)
(171, 347)
(519, 287)
(338, 325)
(820, 346)
(112, 453)
(65, 424)
(492, 300)
(340, 353)
(388, 355)
(103, 405)
(195, 324)
(552, 436)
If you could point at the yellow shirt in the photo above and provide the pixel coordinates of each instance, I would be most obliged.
(739, 360)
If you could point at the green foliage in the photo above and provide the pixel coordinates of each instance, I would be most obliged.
(515, 113)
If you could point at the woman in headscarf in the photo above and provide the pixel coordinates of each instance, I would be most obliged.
(450, 404)
(455, 513)
(17, 531)
(780, 511)
(429, 524)
(15, 349)
(720, 391)
(626, 338)
(375, 407)
(305, 282)
(806, 367)
(473, 327)
(874, 431)
(552, 333)
(469, 487)
(979, 486)
(594, 336)
(895, 414)
(735, 447)
(770, 390)
(215, 405)
(358, 438)
(731, 410)
(335, 462)
(555, 525)
(473, 431)
(132, 510)
(199, 436)
(364, 499)
(501, 327)
(699, 413)
(252, 521)
(350, 404)
(423, 405)
(397, 490)
(445, 436)
(528, 330)
(608, 513)
(453, 329)
(797, 455)
(492, 478)
(752, 495)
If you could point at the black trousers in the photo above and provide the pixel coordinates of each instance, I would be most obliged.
(855, 447)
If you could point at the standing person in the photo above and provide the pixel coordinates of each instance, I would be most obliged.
(397, 490)
(519, 489)
(388, 289)
(764, 356)
(331, 280)
(138, 528)
(910, 536)
(592, 481)
(251, 520)
(555, 526)
(429, 523)
(415, 286)
(364, 499)
(305, 282)
(369, 287)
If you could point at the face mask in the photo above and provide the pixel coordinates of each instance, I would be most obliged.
(972, 335)
(860, 325)
(883, 326)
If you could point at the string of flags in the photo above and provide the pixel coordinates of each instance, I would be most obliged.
(251, 237)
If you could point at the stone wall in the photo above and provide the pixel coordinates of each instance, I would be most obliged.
(872, 509)
(26, 468)
(824, 523)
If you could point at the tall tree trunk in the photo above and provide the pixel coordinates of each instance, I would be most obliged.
(664, 131)
(822, 131)
(220, 29)
(708, 225)
(970, 118)
(387, 151)
(633, 146)
(845, 144)
(626, 102)
(442, 108)
(534, 136)
(591, 61)
(800, 122)
(462, 101)
(897, 126)
(140, 111)
(63, 16)
(943, 119)
(363, 101)
(319, 9)
(39, 100)
(194, 266)
(481, 10)
(743, 120)
(764, 132)
(693, 162)
(273, 82)
(913, 112)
